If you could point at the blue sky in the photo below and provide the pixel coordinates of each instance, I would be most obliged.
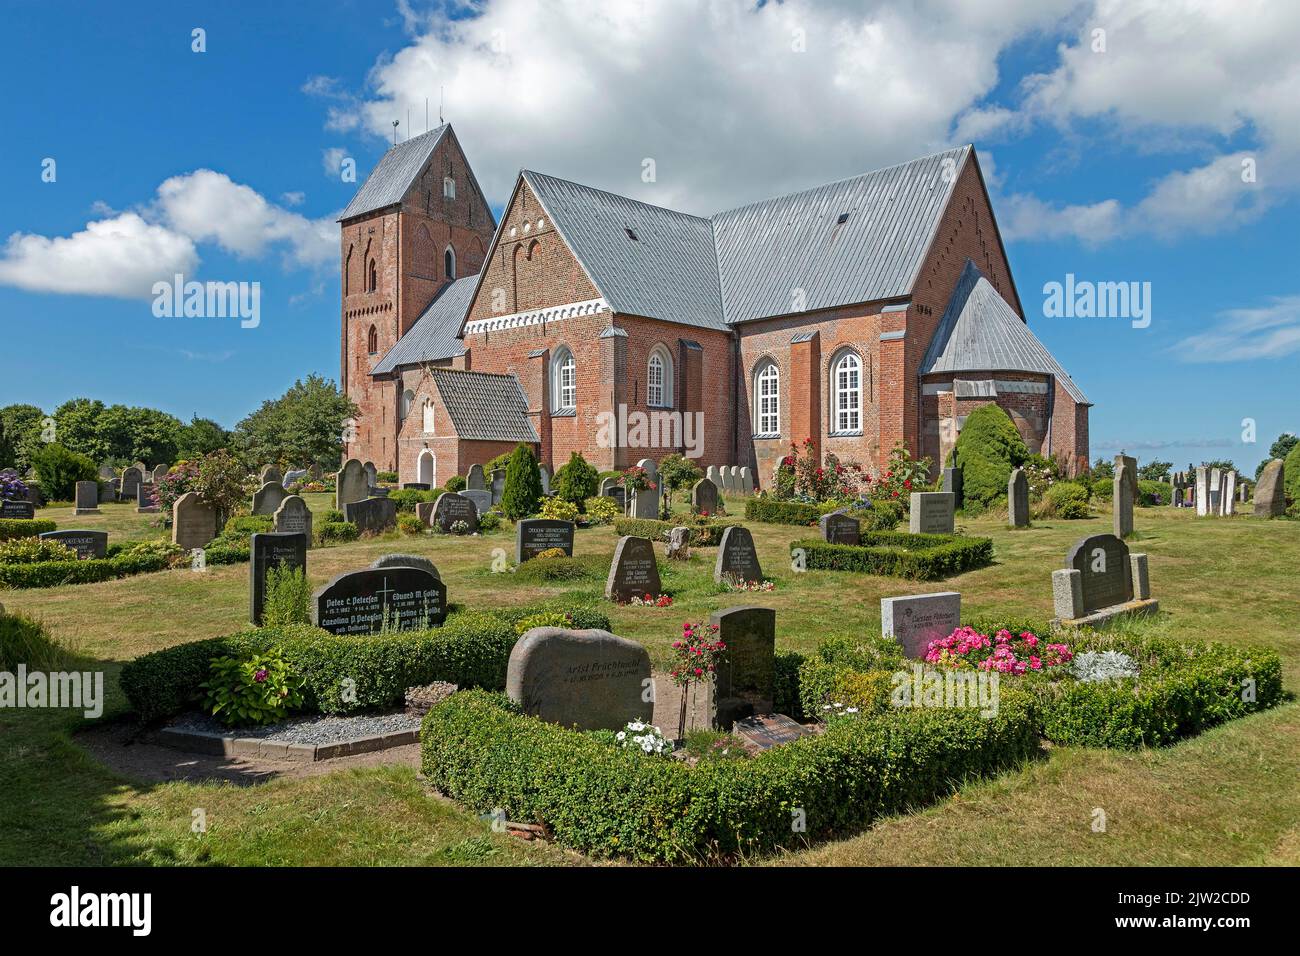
(1115, 159)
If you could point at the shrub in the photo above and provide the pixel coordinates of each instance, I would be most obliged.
(576, 481)
(1154, 493)
(523, 491)
(1065, 499)
(1291, 480)
(489, 521)
(24, 641)
(601, 510)
(332, 515)
(785, 695)
(559, 509)
(32, 550)
(703, 535)
(59, 470)
(246, 525)
(920, 557)
(881, 516)
(411, 524)
(606, 801)
(287, 597)
(260, 689)
(777, 511)
(676, 473)
(386, 477)
(455, 483)
(49, 574)
(337, 532)
(1103, 489)
(408, 498)
(559, 567)
(987, 449)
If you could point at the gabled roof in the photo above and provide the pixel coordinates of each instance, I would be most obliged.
(981, 332)
(668, 271)
(433, 336)
(768, 249)
(485, 406)
(397, 169)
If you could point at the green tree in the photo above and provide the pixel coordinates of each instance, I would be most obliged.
(987, 449)
(523, 491)
(1103, 468)
(1279, 449)
(7, 448)
(23, 426)
(223, 482)
(576, 481)
(675, 474)
(1291, 480)
(155, 436)
(304, 426)
(200, 437)
(78, 423)
(59, 470)
(1154, 470)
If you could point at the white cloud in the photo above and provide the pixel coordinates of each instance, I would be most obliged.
(1266, 332)
(295, 198)
(119, 257)
(331, 159)
(714, 92)
(1027, 217)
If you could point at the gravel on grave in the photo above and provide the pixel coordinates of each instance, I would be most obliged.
(318, 729)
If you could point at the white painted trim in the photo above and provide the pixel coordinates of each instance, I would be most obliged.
(555, 313)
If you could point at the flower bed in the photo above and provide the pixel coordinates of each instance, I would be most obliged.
(899, 554)
(611, 801)
(704, 534)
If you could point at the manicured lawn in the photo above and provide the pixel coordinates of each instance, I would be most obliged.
(1226, 797)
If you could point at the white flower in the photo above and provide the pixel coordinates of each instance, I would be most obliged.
(826, 706)
(636, 725)
(620, 735)
(851, 710)
(647, 746)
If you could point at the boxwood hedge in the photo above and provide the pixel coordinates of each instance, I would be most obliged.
(899, 554)
(24, 527)
(883, 515)
(49, 574)
(702, 535)
(606, 801)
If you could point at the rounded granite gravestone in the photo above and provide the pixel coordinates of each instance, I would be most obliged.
(160, 472)
(87, 544)
(704, 497)
(144, 500)
(634, 571)
(87, 498)
(406, 561)
(839, 528)
(474, 479)
(590, 680)
(364, 602)
(350, 484)
(451, 508)
(1270, 491)
(293, 515)
(194, 522)
(482, 499)
(268, 498)
(747, 672)
(132, 478)
(737, 561)
(610, 488)
(1102, 561)
(111, 491)
(498, 485)
(535, 535)
(267, 550)
(1018, 499)
(372, 515)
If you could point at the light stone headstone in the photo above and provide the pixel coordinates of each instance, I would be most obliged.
(144, 503)
(194, 522)
(87, 498)
(269, 473)
(107, 473)
(160, 472)
(634, 571)
(1018, 499)
(645, 504)
(268, 498)
(746, 480)
(1228, 493)
(728, 480)
(1202, 491)
(1270, 491)
(704, 497)
(737, 561)
(293, 516)
(545, 474)
(714, 475)
(610, 488)
(132, 479)
(932, 512)
(589, 680)
(350, 484)
(1215, 490)
(914, 620)
(1124, 494)
(474, 480)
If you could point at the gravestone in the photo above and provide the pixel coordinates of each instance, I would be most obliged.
(1215, 490)
(87, 498)
(737, 560)
(704, 497)
(1018, 499)
(194, 522)
(474, 480)
(746, 678)
(932, 512)
(111, 491)
(952, 484)
(645, 504)
(269, 473)
(679, 544)
(610, 488)
(268, 498)
(424, 511)
(714, 475)
(728, 480)
(591, 680)
(1202, 491)
(1124, 494)
(914, 620)
(142, 468)
(498, 485)
(372, 474)
(107, 473)
(360, 602)
(316, 472)
(746, 480)
(271, 549)
(349, 484)
(415, 486)
(406, 561)
(545, 474)
(144, 502)
(10, 508)
(87, 544)
(377, 492)
(159, 473)
(1228, 494)
(294, 476)
(1101, 580)
(839, 528)
(535, 535)
(450, 508)
(372, 515)
(132, 478)
(482, 499)
(294, 517)
(765, 731)
(634, 572)
(1270, 492)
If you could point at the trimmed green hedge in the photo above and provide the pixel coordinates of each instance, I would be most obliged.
(50, 574)
(899, 554)
(881, 516)
(470, 649)
(702, 536)
(609, 801)
(25, 527)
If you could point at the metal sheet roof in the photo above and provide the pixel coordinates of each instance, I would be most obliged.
(981, 332)
(484, 406)
(392, 177)
(433, 336)
(767, 250)
(669, 271)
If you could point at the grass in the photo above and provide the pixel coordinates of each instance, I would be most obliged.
(1226, 797)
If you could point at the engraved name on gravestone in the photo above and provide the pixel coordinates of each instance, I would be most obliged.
(932, 512)
(87, 544)
(361, 602)
(748, 666)
(839, 528)
(914, 620)
(535, 535)
(634, 571)
(17, 509)
(451, 508)
(591, 680)
(271, 549)
(292, 516)
(737, 560)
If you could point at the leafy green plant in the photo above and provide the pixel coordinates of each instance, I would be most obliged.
(559, 509)
(455, 483)
(33, 550)
(287, 597)
(601, 510)
(411, 525)
(576, 481)
(59, 470)
(244, 691)
(523, 491)
(987, 449)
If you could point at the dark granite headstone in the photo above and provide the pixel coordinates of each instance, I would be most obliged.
(357, 602)
(87, 500)
(634, 572)
(17, 509)
(372, 515)
(272, 549)
(406, 561)
(87, 544)
(451, 507)
(748, 667)
(132, 478)
(1102, 561)
(839, 528)
(535, 535)
(737, 558)
(415, 486)
(704, 497)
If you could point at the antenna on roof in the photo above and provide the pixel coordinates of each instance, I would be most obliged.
(395, 122)
(426, 114)
(440, 119)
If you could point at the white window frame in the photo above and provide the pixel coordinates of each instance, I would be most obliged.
(767, 399)
(659, 394)
(448, 188)
(846, 393)
(565, 382)
(450, 250)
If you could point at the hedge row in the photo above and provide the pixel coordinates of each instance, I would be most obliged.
(24, 527)
(702, 536)
(49, 574)
(605, 801)
(920, 557)
(470, 649)
(881, 516)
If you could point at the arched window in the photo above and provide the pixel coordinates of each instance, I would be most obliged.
(347, 272)
(428, 417)
(767, 399)
(846, 392)
(374, 277)
(449, 262)
(408, 399)
(564, 388)
(372, 341)
(448, 187)
(659, 379)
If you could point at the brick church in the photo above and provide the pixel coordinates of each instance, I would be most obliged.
(860, 313)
